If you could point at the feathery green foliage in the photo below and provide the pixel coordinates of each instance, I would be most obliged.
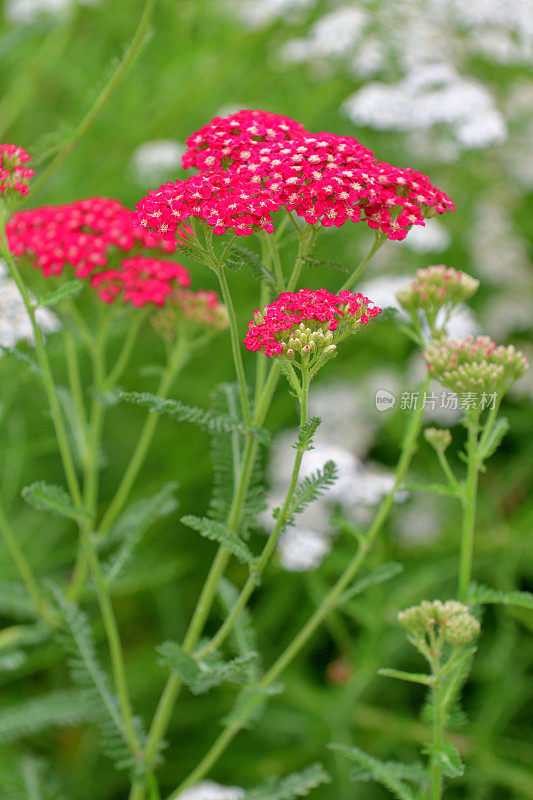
(309, 489)
(389, 775)
(47, 497)
(218, 532)
(202, 675)
(296, 785)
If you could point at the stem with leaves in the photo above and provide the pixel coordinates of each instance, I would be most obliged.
(469, 501)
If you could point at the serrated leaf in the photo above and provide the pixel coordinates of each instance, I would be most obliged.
(68, 289)
(242, 257)
(415, 773)
(306, 434)
(411, 677)
(49, 497)
(480, 594)
(205, 674)
(435, 488)
(325, 262)
(218, 532)
(500, 428)
(310, 488)
(207, 420)
(296, 785)
(379, 575)
(379, 771)
(448, 759)
(134, 522)
(60, 708)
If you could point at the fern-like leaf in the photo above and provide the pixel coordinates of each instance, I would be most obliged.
(205, 674)
(306, 434)
(298, 784)
(310, 488)
(484, 595)
(66, 707)
(48, 497)
(218, 532)
(68, 289)
(380, 771)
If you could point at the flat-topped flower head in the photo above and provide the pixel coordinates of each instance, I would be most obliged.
(474, 365)
(436, 622)
(225, 140)
(306, 326)
(82, 235)
(436, 287)
(198, 309)
(223, 201)
(140, 280)
(14, 176)
(439, 438)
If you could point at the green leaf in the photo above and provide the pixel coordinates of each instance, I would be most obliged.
(202, 675)
(484, 595)
(296, 785)
(62, 708)
(49, 497)
(68, 289)
(207, 420)
(448, 759)
(500, 428)
(380, 771)
(379, 575)
(309, 489)
(324, 262)
(242, 257)
(435, 488)
(306, 434)
(411, 677)
(131, 526)
(218, 532)
(415, 772)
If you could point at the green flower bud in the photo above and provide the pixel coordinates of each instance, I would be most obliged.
(439, 438)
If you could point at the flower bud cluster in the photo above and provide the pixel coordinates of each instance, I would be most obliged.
(474, 365)
(201, 309)
(308, 324)
(436, 287)
(450, 621)
(439, 438)
(14, 176)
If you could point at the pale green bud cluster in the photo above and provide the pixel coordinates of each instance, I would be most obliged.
(450, 622)
(439, 438)
(474, 365)
(305, 340)
(436, 287)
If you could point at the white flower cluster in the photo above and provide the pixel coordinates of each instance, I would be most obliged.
(344, 437)
(209, 790)
(259, 13)
(25, 12)
(153, 162)
(15, 324)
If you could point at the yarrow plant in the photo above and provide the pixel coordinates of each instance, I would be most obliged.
(257, 173)
(14, 176)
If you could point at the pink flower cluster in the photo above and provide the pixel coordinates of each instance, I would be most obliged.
(82, 234)
(201, 308)
(14, 177)
(222, 200)
(306, 320)
(269, 158)
(140, 280)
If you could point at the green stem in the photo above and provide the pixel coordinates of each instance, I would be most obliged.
(378, 241)
(438, 736)
(272, 540)
(306, 241)
(469, 506)
(24, 568)
(235, 345)
(274, 256)
(452, 481)
(76, 388)
(328, 604)
(177, 359)
(46, 371)
(103, 98)
(126, 350)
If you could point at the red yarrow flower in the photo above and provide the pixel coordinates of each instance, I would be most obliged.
(221, 200)
(83, 235)
(14, 176)
(232, 138)
(308, 322)
(140, 280)
(199, 309)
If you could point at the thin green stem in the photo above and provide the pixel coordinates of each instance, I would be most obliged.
(235, 346)
(452, 480)
(24, 568)
(306, 240)
(126, 350)
(378, 241)
(103, 98)
(469, 506)
(274, 255)
(46, 371)
(76, 389)
(328, 604)
(177, 359)
(272, 540)
(438, 736)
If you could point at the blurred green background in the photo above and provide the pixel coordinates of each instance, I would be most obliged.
(202, 59)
